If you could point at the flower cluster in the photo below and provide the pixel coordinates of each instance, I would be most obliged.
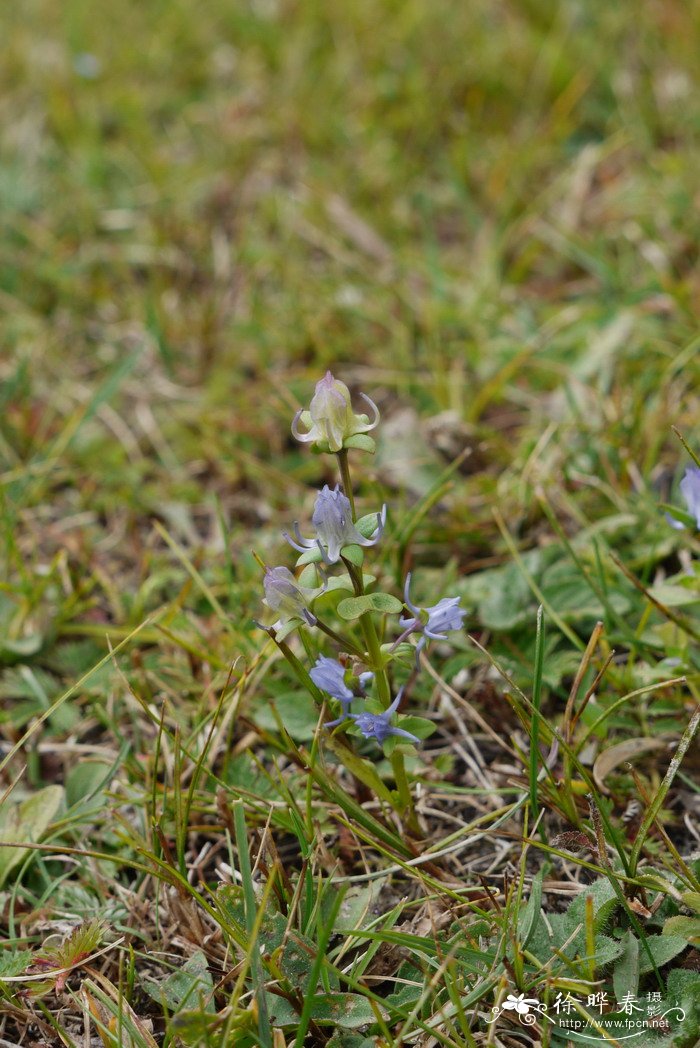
(359, 683)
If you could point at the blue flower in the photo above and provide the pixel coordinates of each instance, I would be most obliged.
(284, 595)
(330, 420)
(433, 623)
(329, 675)
(332, 519)
(690, 490)
(377, 725)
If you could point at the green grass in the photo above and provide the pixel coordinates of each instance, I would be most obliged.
(484, 216)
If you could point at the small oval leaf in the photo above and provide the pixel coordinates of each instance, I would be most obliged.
(360, 441)
(353, 607)
(384, 603)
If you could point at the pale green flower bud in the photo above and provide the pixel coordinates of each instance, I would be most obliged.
(330, 420)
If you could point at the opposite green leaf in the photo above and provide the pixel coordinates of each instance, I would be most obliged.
(384, 603)
(361, 442)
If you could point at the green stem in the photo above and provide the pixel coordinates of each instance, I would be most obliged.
(376, 660)
(344, 642)
(403, 788)
(369, 632)
(384, 690)
(300, 670)
(344, 466)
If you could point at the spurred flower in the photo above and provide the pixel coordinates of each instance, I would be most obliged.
(332, 519)
(284, 595)
(378, 725)
(690, 490)
(329, 675)
(433, 623)
(330, 420)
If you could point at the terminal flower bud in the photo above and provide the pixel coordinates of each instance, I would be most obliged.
(330, 420)
(332, 519)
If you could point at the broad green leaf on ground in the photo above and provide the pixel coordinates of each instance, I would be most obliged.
(296, 710)
(26, 821)
(274, 935)
(502, 596)
(349, 1010)
(687, 927)
(84, 779)
(189, 987)
(13, 962)
(683, 991)
(663, 948)
(627, 969)
(356, 909)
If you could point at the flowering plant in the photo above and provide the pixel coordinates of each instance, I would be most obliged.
(358, 677)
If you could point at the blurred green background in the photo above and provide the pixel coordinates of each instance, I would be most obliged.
(483, 214)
